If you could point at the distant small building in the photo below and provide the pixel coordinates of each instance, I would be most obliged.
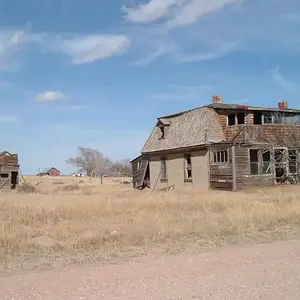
(9, 170)
(50, 172)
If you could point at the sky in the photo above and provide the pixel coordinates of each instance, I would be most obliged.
(98, 73)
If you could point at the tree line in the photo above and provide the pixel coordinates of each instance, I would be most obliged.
(93, 163)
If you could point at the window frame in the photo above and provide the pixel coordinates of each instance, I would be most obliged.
(260, 162)
(188, 167)
(163, 166)
(223, 159)
(236, 119)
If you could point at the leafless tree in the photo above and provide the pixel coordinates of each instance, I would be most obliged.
(91, 161)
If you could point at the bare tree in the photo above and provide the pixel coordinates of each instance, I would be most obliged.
(91, 161)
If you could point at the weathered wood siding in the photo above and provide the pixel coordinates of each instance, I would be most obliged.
(221, 174)
(138, 173)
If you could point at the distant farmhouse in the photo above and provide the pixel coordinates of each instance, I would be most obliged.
(9, 170)
(50, 172)
(221, 146)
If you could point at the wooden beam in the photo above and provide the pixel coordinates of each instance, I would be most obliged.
(234, 187)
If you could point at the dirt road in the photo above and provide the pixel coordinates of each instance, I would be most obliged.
(265, 272)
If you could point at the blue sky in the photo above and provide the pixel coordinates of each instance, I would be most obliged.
(98, 73)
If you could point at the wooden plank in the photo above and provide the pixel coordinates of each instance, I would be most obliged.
(234, 186)
(3, 184)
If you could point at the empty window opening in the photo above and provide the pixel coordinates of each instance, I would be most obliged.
(231, 119)
(162, 132)
(163, 166)
(221, 157)
(254, 162)
(241, 118)
(257, 118)
(266, 162)
(188, 167)
(278, 118)
(292, 161)
(267, 117)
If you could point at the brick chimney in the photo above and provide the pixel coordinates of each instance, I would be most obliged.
(283, 105)
(217, 99)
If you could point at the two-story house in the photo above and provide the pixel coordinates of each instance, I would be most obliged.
(221, 146)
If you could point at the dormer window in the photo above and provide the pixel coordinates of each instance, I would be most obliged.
(163, 125)
(162, 132)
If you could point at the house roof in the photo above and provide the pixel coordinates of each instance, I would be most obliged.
(191, 128)
(233, 107)
(45, 171)
(195, 127)
(4, 153)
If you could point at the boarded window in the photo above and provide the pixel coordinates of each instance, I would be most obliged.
(188, 166)
(163, 166)
(241, 118)
(254, 162)
(266, 162)
(221, 157)
(231, 119)
(139, 163)
(293, 161)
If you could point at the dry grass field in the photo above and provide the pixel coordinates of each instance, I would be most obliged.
(66, 220)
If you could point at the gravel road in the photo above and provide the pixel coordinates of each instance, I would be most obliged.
(270, 271)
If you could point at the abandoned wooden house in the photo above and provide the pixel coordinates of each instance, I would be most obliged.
(49, 172)
(221, 146)
(9, 170)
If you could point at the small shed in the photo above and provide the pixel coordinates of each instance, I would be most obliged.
(140, 172)
(9, 170)
(50, 172)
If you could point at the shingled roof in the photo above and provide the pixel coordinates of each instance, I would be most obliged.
(195, 127)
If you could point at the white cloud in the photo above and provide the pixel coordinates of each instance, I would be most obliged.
(178, 12)
(151, 11)
(192, 57)
(90, 48)
(50, 96)
(283, 81)
(192, 10)
(10, 42)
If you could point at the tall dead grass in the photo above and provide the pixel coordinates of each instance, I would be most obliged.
(139, 219)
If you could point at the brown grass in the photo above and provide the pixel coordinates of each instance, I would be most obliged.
(114, 217)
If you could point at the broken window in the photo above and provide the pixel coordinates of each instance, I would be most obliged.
(188, 167)
(257, 118)
(292, 161)
(267, 118)
(278, 118)
(221, 157)
(241, 118)
(163, 166)
(162, 132)
(266, 162)
(231, 119)
(254, 162)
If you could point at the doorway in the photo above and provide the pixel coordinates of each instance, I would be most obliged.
(14, 179)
